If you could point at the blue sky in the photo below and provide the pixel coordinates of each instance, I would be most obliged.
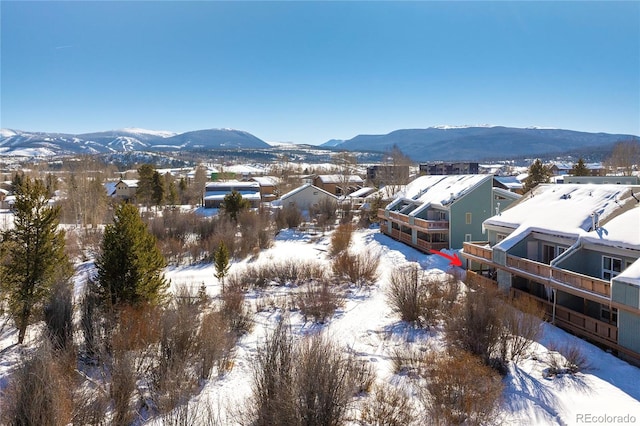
(311, 71)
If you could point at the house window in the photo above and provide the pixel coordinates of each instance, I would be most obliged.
(562, 250)
(500, 237)
(611, 267)
(609, 315)
(443, 216)
(467, 237)
(467, 218)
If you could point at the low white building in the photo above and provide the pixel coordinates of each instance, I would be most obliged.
(215, 192)
(305, 197)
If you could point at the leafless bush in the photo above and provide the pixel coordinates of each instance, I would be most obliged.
(235, 311)
(173, 377)
(273, 393)
(123, 385)
(318, 301)
(388, 406)
(288, 217)
(522, 327)
(408, 360)
(565, 359)
(341, 238)
(325, 382)
(214, 345)
(360, 268)
(477, 327)
(287, 272)
(460, 389)
(406, 293)
(256, 231)
(312, 383)
(39, 392)
(58, 315)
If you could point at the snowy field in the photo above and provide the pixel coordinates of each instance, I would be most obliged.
(367, 326)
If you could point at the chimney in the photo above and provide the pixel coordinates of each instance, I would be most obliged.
(594, 221)
(497, 209)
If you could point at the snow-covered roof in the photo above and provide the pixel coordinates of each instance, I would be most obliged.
(266, 180)
(439, 190)
(244, 169)
(232, 185)
(510, 182)
(631, 275)
(303, 187)
(340, 178)
(622, 231)
(506, 193)
(131, 183)
(564, 208)
(362, 192)
(219, 195)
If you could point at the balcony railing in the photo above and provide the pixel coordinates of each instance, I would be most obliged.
(574, 279)
(478, 249)
(532, 267)
(576, 322)
(427, 246)
(431, 225)
(405, 238)
(399, 217)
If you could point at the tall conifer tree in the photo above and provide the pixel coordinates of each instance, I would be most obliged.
(33, 256)
(130, 264)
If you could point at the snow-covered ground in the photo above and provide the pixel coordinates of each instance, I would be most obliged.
(367, 327)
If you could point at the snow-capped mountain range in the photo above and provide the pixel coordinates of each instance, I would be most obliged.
(24, 143)
(480, 142)
(447, 142)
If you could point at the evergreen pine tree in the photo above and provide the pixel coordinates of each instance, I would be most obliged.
(157, 190)
(580, 169)
(33, 256)
(538, 173)
(221, 262)
(145, 190)
(130, 264)
(233, 203)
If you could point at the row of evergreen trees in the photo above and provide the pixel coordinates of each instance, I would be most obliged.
(34, 266)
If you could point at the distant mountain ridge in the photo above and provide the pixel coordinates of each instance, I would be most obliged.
(24, 143)
(479, 142)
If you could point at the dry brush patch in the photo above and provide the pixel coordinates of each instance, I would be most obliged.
(460, 389)
(311, 382)
(357, 268)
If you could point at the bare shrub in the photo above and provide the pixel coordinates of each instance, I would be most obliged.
(256, 231)
(522, 326)
(311, 383)
(39, 392)
(388, 406)
(235, 311)
(288, 217)
(123, 385)
(58, 316)
(341, 238)
(318, 301)
(273, 393)
(325, 382)
(290, 271)
(408, 360)
(477, 327)
(360, 269)
(460, 389)
(214, 345)
(565, 359)
(174, 375)
(406, 294)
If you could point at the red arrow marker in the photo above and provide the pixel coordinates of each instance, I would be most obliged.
(455, 260)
